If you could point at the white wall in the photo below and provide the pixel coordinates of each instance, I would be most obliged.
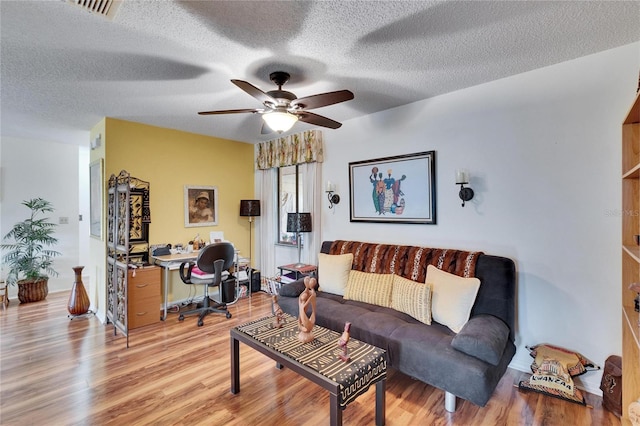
(543, 149)
(35, 168)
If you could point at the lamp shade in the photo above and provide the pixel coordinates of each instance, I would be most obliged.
(250, 208)
(299, 222)
(280, 121)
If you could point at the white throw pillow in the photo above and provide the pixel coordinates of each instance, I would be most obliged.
(452, 297)
(333, 272)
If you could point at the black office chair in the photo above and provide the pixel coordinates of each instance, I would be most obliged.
(213, 259)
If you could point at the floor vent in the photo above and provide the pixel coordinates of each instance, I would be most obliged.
(106, 8)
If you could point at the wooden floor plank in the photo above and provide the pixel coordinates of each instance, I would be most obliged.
(57, 371)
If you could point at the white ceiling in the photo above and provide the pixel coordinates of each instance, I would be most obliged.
(160, 62)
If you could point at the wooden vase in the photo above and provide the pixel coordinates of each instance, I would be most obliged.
(78, 300)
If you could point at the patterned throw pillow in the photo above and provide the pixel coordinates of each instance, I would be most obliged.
(412, 298)
(369, 288)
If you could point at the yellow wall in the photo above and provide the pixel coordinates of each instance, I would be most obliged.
(169, 160)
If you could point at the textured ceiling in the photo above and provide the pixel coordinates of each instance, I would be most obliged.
(160, 62)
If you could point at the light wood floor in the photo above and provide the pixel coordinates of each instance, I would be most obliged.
(56, 371)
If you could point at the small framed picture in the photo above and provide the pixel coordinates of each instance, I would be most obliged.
(400, 189)
(200, 205)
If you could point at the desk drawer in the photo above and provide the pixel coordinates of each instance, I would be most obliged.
(139, 290)
(145, 283)
(144, 312)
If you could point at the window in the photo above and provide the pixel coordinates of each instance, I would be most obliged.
(290, 197)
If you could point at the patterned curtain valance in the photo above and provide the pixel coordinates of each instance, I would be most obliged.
(305, 147)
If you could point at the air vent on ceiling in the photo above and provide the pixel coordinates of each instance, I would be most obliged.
(106, 8)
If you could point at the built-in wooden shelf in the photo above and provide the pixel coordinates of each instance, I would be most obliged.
(630, 257)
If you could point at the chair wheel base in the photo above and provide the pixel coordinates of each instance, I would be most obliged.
(228, 314)
(181, 317)
(200, 323)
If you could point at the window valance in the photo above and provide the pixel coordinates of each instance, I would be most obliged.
(305, 147)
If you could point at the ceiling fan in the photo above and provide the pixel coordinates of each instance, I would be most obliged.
(282, 109)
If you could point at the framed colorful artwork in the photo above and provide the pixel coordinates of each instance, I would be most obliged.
(400, 189)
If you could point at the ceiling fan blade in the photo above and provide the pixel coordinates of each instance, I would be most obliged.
(322, 99)
(229, 111)
(255, 92)
(318, 120)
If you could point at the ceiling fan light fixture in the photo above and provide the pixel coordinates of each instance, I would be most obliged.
(280, 121)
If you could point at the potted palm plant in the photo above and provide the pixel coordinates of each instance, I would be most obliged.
(29, 256)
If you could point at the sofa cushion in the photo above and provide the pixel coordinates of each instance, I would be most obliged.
(291, 289)
(412, 298)
(452, 297)
(483, 337)
(333, 272)
(369, 288)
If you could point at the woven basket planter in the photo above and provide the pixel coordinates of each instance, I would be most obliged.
(33, 290)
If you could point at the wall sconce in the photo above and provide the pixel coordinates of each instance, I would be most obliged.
(331, 195)
(462, 179)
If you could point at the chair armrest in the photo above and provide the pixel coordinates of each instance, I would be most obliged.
(483, 337)
(186, 278)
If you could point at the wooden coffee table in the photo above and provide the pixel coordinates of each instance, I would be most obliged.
(317, 361)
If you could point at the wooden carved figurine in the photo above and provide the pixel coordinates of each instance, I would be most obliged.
(277, 312)
(342, 342)
(306, 300)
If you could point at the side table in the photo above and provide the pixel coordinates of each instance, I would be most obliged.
(300, 269)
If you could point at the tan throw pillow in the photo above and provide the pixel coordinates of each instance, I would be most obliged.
(333, 272)
(452, 297)
(412, 298)
(370, 288)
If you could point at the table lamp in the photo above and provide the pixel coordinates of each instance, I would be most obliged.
(298, 222)
(251, 209)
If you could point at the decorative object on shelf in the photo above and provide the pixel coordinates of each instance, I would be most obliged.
(250, 209)
(277, 312)
(306, 321)
(200, 206)
(378, 189)
(299, 222)
(342, 342)
(29, 257)
(333, 198)
(635, 287)
(462, 179)
(78, 303)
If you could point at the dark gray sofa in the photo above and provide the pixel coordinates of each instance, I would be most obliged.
(468, 365)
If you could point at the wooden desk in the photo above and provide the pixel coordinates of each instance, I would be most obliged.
(171, 262)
